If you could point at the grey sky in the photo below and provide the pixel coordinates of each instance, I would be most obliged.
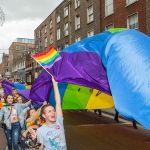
(22, 17)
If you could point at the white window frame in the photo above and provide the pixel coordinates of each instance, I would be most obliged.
(89, 33)
(51, 24)
(51, 38)
(78, 39)
(136, 24)
(108, 8)
(45, 28)
(129, 2)
(36, 48)
(90, 15)
(58, 19)
(66, 11)
(66, 27)
(66, 44)
(58, 34)
(77, 3)
(77, 22)
(17, 48)
(46, 42)
(58, 48)
(109, 26)
(40, 33)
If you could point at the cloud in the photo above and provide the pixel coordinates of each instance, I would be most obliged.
(18, 9)
(22, 17)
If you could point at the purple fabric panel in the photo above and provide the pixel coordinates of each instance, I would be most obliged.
(81, 68)
(8, 83)
(41, 88)
(7, 88)
(24, 93)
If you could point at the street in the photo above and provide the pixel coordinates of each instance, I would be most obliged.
(87, 131)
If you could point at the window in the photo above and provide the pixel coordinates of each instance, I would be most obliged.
(24, 48)
(58, 34)
(46, 42)
(66, 29)
(78, 39)
(36, 48)
(51, 38)
(77, 3)
(36, 36)
(130, 1)
(77, 22)
(58, 48)
(6, 70)
(7, 65)
(109, 26)
(40, 45)
(17, 48)
(58, 18)
(6, 58)
(90, 14)
(132, 21)
(51, 24)
(66, 11)
(90, 33)
(40, 33)
(66, 45)
(45, 28)
(108, 7)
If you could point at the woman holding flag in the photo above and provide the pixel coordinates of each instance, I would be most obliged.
(51, 134)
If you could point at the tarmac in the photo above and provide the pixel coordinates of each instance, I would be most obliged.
(86, 131)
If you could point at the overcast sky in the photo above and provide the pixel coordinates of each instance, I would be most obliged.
(21, 18)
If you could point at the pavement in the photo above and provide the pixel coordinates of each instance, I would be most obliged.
(85, 130)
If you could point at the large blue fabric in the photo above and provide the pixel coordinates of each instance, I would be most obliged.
(126, 56)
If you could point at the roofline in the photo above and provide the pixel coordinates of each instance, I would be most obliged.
(51, 13)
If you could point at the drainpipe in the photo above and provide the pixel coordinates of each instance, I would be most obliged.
(70, 36)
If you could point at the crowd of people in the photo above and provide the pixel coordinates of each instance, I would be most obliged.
(29, 127)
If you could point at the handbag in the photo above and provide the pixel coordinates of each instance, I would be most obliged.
(3, 125)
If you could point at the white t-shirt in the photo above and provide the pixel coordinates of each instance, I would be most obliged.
(53, 137)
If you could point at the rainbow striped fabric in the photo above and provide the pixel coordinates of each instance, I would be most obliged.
(48, 58)
(4, 105)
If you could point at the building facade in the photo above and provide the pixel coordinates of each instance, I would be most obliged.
(5, 66)
(70, 22)
(132, 14)
(16, 50)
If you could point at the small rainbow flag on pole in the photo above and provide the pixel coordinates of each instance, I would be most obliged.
(48, 58)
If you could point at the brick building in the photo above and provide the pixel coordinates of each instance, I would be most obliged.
(16, 49)
(5, 66)
(71, 21)
(133, 14)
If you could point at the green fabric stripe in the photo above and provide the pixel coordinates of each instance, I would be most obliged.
(113, 30)
(76, 97)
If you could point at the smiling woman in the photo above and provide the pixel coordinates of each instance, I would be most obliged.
(13, 121)
(51, 134)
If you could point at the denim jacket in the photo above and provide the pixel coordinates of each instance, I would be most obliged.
(6, 112)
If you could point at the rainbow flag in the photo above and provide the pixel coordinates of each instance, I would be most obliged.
(48, 58)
